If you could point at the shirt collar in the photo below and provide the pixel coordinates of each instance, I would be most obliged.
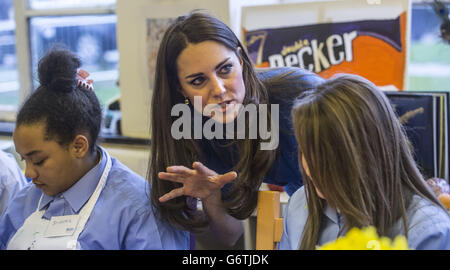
(46, 200)
(331, 213)
(78, 194)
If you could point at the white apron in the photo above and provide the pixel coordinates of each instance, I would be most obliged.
(60, 232)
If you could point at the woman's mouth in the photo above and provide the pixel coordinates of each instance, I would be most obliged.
(225, 104)
(38, 184)
(223, 112)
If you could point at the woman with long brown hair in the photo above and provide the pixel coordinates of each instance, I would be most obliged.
(201, 63)
(358, 171)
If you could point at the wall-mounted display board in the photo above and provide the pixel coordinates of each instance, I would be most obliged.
(368, 38)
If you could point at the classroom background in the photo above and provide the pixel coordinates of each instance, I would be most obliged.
(406, 52)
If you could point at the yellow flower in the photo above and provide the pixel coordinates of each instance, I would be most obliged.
(366, 239)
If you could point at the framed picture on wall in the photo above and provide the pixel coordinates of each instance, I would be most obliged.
(156, 27)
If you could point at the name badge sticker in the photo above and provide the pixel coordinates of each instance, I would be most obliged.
(62, 226)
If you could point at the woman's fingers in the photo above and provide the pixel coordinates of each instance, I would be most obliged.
(174, 177)
(220, 179)
(198, 182)
(176, 173)
(228, 177)
(223, 179)
(180, 170)
(174, 193)
(202, 168)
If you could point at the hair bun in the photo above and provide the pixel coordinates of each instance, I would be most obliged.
(57, 70)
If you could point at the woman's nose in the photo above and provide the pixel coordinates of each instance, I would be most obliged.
(217, 87)
(30, 172)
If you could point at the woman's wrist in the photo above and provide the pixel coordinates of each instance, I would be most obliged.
(214, 200)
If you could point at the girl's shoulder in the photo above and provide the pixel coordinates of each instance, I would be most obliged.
(286, 83)
(424, 213)
(288, 76)
(298, 200)
(22, 204)
(29, 195)
(428, 224)
(127, 186)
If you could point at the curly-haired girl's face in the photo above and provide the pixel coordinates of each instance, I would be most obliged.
(50, 166)
(213, 72)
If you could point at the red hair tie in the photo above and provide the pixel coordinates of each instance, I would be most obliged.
(83, 81)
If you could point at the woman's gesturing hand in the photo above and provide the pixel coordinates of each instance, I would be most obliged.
(199, 182)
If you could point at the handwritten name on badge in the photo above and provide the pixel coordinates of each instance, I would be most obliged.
(62, 226)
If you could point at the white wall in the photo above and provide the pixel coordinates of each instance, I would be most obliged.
(134, 157)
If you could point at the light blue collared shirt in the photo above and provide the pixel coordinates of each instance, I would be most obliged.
(11, 179)
(121, 219)
(428, 225)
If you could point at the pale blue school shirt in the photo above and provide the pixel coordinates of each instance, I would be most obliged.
(121, 219)
(428, 225)
(11, 179)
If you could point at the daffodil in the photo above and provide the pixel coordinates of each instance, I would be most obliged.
(366, 239)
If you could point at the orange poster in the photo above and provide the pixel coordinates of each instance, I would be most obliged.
(374, 49)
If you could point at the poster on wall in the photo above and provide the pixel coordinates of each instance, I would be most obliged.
(155, 32)
(372, 48)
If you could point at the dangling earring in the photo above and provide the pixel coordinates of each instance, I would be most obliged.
(186, 101)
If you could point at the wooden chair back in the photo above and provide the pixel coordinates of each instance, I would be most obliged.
(269, 224)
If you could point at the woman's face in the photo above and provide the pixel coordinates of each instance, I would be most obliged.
(213, 72)
(305, 166)
(48, 164)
